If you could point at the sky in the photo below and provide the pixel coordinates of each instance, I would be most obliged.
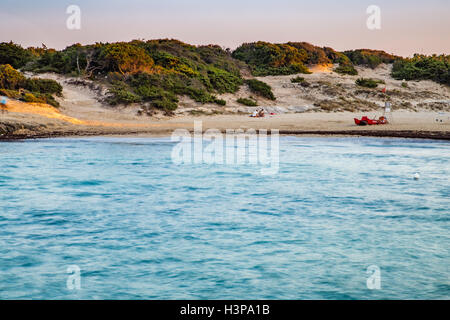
(407, 26)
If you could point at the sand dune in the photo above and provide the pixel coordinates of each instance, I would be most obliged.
(298, 109)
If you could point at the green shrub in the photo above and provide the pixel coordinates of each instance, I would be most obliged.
(200, 95)
(37, 97)
(280, 71)
(222, 81)
(10, 78)
(260, 88)
(29, 97)
(283, 59)
(421, 67)
(154, 86)
(120, 93)
(174, 63)
(346, 69)
(297, 79)
(220, 102)
(37, 90)
(14, 55)
(314, 54)
(49, 99)
(151, 71)
(43, 86)
(368, 83)
(370, 58)
(126, 58)
(154, 71)
(165, 104)
(272, 59)
(154, 93)
(247, 102)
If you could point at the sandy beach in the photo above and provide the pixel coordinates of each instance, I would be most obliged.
(404, 124)
(420, 111)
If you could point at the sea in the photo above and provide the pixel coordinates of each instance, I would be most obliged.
(118, 218)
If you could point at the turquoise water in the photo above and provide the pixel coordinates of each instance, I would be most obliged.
(140, 227)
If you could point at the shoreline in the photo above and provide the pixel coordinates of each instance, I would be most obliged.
(295, 112)
(405, 134)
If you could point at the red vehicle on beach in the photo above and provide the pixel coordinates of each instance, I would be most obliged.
(365, 121)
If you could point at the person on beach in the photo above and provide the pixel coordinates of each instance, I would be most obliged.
(3, 101)
(258, 113)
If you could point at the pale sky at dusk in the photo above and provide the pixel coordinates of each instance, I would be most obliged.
(407, 26)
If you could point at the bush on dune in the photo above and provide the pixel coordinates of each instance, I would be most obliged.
(260, 88)
(14, 55)
(157, 72)
(370, 58)
(247, 102)
(297, 79)
(200, 95)
(421, 67)
(314, 54)
(346, 69)
(44, 86)
(346, 66)
(15, 85)
(160, 91)
(10, 78)
(126, 58)
(154, 71)
(368, 83)
(220, 102)
(272, 59)
(284, 59)
(222, 81)
(121, 93)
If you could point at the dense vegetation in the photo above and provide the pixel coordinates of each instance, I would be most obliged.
(260, 88)
(370, 58)
(14, 55)
(155, 73)
(421, 67)
(289, 58)
(14, 84)
(266, 58)
(150, 72)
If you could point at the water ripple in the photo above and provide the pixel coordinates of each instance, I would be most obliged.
(140, 227)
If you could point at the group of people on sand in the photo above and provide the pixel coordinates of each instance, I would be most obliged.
(258, 113)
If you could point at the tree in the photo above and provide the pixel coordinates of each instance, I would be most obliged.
(14, 55)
